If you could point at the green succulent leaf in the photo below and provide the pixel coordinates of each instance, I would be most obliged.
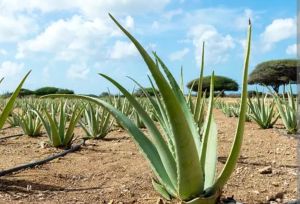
(10, 104)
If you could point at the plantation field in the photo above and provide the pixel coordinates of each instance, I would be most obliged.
(113, 171)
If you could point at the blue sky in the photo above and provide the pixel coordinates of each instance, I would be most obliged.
(67, 42)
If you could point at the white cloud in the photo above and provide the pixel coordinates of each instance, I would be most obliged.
(10, 69)
(3, 52)
(227, 18)
(241, 21)
(68, 39)
(171, 14)
(151, 47)
(90, 8)
(14, 28)
(179, 55)
(122, 50)
(292, 50)
(78, 71)
(129, 22)
(155, 25)
(217, 45)
(278, 30)
(11, 6)
(243, 42)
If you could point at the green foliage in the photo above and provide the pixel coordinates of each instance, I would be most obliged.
(123, 105)
(221, 84)
(105, 94)
(262, 111)
(228, 109)
(26, 92)
(275, 73)
(255, 93)
(64, 91)
(150, 91)
(30, 123)
(10, 104)
(96, 122)
(13, 120)
(58, 133)
(184, 164)
(52, 90)
(288, 110)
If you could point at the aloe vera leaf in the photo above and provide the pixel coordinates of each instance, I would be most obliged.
(211, 155)
(70, 132)
(163, 150)
(55, 138)
(10, 104)
(190, 174)
(237, 143)
(144, 144)
(161, 190)
(186, 110)
(199, 92)
(209, 141)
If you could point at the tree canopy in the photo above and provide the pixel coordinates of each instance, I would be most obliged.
(149, 90)
(221, 83)
(275, 73)
(40, 92)
(52, 90)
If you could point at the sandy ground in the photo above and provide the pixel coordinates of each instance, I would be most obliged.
(113, 171)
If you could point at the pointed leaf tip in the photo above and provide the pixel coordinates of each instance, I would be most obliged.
(249, 21)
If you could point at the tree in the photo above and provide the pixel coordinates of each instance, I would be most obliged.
(275, 73)
(26, 92)
(221, 84)
(65, 91)
(52, 90)
(150, 91)
(104, 94)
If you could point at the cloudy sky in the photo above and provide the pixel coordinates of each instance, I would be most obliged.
(67, 42)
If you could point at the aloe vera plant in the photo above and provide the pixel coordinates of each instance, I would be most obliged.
(123, 105)
(58, 133)
(263, 111)
(10, 104)
(184, 164)
(227, 110)
(30, 123)
(288, 109)
(13, 120)
(96, 123)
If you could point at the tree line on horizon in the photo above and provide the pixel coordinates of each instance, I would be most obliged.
(274, 73)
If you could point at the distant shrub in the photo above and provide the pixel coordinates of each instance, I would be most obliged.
(52, 90)
(104, 94)
(65, 91)
(254, 93)
(26, 92)
(150, 91)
